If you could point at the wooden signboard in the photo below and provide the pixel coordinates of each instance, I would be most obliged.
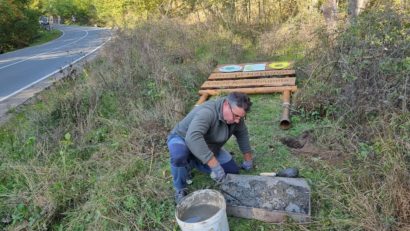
(253, 78)
(251, 75)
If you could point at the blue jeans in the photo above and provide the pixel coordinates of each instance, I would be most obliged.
(182, 161)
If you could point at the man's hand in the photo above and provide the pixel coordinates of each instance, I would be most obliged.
(217, 173)
(247, 164)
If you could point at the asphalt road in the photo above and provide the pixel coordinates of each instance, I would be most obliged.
(21, 69)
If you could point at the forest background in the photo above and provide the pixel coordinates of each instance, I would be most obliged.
(19, 18)
(89, 153)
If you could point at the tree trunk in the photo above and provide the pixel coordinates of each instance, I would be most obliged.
(329, 9)
(313, 6)
(233, 11)
(259, 12)
(264, 13)
(405, 4)
(280, 10)
(249, 10)
(355, 7)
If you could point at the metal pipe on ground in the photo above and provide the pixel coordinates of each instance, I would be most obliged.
(285, 121)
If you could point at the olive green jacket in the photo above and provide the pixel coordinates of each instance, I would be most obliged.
(205, 131)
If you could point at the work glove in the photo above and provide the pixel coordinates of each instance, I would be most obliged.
(247, 165)
(217, 173)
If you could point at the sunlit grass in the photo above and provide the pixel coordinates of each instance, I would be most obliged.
(46, 36)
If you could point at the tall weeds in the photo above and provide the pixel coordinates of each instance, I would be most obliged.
(360, 80)
(91, 151)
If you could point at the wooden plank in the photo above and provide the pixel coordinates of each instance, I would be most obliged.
(265, 215)
(266, 82)
(252, 74)
(253, 90)
(202, 99)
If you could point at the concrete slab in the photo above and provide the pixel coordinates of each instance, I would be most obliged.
(266, 198)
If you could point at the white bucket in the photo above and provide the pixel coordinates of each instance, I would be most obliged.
(203, 210)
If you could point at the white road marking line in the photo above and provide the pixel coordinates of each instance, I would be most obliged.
(45, 77)
(11, 64)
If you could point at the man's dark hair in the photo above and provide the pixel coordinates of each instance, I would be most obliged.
(239, 99)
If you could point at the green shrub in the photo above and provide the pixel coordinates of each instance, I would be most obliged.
(364, 76)
(91, 151)
(358, 79)
(19, 25)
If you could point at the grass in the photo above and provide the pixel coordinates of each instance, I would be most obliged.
(43, 36)
(94, 179)
(46, 36)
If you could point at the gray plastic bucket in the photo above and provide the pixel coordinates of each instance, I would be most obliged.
(203, 210)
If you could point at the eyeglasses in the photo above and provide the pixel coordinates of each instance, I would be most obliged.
(235, 116)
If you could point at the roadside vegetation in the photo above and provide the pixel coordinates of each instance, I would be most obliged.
(19, 27)
(90, 152)
(361, 84)
(46, 36)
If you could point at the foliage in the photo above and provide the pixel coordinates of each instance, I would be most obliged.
(94, 12)
(358, 78)
(90, 153)
(294, 37)
(45, 36)
(83, 10)
(241, 16)
(18, 24)
(366, 71)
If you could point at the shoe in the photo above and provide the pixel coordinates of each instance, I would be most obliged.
(190, 175)
(189, 178)
(180, 194)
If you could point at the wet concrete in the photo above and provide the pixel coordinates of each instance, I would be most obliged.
(199, 213)
(268, 193)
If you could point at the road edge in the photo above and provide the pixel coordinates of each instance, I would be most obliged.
(28, 95)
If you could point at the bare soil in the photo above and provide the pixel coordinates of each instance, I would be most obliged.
(304, 146)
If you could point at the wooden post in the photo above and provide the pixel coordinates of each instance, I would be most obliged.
(202, 99)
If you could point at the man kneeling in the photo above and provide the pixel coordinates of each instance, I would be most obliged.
(198, 139)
